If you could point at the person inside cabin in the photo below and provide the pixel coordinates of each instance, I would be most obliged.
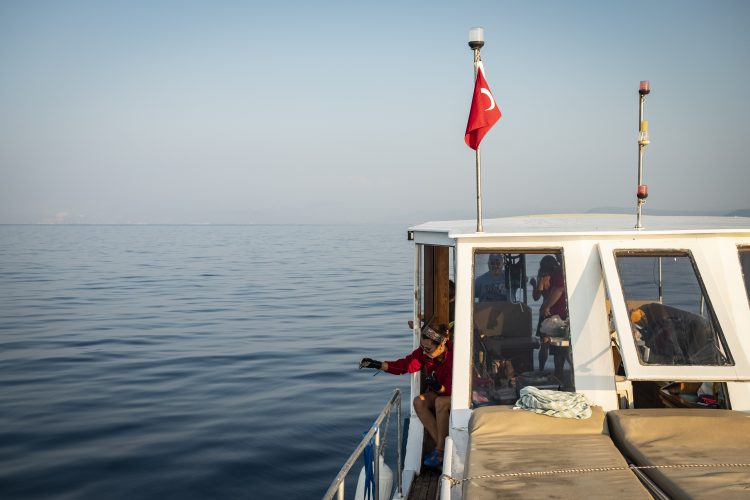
(541, 287)
(672, 336)
(491, 285)
(435, 355)
(550, 286)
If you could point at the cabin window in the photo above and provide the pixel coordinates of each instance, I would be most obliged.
(745, 264)
(521, 333)
(671, 318)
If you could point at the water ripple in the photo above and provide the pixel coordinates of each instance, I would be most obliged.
(193, 361)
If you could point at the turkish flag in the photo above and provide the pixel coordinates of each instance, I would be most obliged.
(484, 112)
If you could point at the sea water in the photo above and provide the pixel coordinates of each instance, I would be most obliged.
(158, 362)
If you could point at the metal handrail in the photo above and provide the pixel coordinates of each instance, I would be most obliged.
(337, 486)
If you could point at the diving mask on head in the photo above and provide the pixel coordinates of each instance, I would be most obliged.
(437, 342)
(429, 333)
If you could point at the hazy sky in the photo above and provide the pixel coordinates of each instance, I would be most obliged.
(318, 111)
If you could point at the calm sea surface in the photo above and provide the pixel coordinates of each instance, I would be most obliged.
(193, 361)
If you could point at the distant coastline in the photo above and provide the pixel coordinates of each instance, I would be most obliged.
(597, 210)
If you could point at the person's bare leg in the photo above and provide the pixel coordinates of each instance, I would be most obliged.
(424, 406)
(442, 414)
(562, 354)
(559, 356)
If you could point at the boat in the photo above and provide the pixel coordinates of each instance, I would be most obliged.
(656, 339)
(592, 354)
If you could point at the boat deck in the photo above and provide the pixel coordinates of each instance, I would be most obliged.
(425, 485)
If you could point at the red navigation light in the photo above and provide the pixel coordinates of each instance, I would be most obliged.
(642, 193)
(645, 87)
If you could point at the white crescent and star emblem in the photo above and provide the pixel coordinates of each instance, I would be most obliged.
(492, 101)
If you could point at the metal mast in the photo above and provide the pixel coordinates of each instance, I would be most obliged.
(643, 141)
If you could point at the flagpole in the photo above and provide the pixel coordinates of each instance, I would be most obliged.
(476, 42)
(479, 193)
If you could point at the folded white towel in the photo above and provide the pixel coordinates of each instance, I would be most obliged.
(554, 403)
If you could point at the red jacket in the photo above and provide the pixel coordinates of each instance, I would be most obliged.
(443, 370)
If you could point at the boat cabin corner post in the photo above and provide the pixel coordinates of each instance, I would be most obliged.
(462, 362)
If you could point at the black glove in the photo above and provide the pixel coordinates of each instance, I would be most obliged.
(432, 383)
(370, 363)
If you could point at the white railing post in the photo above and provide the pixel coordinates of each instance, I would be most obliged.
(398, 452)
(445, 484)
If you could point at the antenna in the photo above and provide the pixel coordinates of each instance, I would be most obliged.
(643, 141)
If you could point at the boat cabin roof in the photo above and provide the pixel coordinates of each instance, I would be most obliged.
(579, 225)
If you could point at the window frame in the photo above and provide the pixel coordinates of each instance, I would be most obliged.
(699, 280)
(711, 274)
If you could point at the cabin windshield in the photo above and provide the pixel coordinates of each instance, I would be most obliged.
(671, 318)
(521, 333)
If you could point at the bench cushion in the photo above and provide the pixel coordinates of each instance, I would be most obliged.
(503, 440)
(500, 421)
(677, 436)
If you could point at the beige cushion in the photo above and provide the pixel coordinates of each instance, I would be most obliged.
(503, 440)
(500, 421)
(676, 436)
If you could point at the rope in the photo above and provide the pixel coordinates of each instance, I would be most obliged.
(455, 482)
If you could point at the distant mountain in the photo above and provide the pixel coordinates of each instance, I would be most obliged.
(656, 211)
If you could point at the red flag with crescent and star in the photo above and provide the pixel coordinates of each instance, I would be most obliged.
(484, 112)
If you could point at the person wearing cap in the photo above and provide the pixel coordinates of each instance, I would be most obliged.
(491, 285)
(435, 355)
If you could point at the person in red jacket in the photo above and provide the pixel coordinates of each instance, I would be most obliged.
(435, 355)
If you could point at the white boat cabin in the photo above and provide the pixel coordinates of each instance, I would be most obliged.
(651, 318)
